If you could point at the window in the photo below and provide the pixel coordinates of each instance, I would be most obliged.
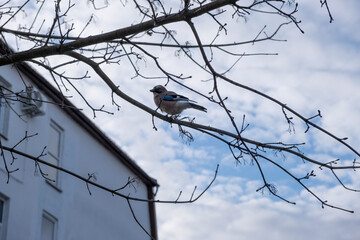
(54, 151)
(4, 108)
(3, 216)
(48, 227)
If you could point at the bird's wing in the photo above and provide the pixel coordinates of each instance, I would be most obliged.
(172, 96)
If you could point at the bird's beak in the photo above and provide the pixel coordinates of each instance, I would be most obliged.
(152, 90)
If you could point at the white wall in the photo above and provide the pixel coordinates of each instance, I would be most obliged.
(79, 215)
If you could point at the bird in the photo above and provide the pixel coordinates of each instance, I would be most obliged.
(172, 103)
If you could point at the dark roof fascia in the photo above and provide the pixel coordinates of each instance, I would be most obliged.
(152, 214)
(43, 85)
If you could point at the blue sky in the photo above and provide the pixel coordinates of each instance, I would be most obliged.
(316, 70)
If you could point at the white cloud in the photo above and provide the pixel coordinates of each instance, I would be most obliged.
(257, 218)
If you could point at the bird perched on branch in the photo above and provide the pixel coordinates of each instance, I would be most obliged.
(172, 103)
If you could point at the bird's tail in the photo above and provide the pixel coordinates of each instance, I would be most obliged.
(198, 107)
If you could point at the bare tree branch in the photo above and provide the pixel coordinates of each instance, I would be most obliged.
(140, 43)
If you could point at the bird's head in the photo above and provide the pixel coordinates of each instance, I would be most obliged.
(158, 89)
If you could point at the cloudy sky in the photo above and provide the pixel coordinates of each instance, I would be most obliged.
(319, 69)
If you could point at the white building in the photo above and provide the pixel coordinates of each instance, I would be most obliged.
(34, 208)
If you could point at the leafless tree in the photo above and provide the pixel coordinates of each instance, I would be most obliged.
(157, 26)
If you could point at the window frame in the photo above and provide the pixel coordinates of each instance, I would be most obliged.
(4, 217)
(53, 126)
(4, 118)
(51, 218)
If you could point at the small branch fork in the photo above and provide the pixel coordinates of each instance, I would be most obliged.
(13, 158)
(11, 97)
(325, 3)
(2, 155)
